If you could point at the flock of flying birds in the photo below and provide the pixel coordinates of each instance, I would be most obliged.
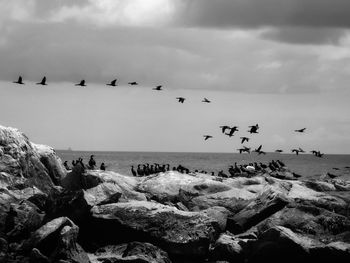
(231, 130)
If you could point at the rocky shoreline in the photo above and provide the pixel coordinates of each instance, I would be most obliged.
(48, 215)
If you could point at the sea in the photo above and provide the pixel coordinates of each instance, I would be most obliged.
(306, 165)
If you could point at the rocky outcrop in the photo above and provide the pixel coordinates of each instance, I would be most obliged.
(133, 252)
(178, 232)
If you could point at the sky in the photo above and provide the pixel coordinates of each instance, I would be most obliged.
(284, 64)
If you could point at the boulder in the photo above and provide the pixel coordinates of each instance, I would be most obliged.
(51, 161)
(133, 252)
(56, 240)
(178, 232)
(20, 161)
(256, 211)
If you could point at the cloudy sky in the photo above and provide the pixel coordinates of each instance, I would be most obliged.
(284, 64)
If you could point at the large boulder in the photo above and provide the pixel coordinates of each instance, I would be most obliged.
(133, 252)
(21, 162)
(178, 232)
(57, 240)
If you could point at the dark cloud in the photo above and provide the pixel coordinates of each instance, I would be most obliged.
(260, 13)
(294, 21)
(304, 35)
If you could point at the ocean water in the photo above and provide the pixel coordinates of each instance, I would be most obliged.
(304, 164)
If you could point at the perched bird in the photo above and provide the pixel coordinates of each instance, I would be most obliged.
(133, 83)
(43, 82)
(244, 139)
(296, 151)
(224, 128)
(332, 175)
(113, 83)
(158, 87)
(19, 81)
(206, 100)
(279, 151)
(206, 137)
(82, 83)
(181, 99)
(301, 130)
(133, 171)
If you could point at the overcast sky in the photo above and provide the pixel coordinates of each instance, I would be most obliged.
(284, 64)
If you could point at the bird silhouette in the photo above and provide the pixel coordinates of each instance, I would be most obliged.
(253, 129)
(206, 100)
(244, 139)
(158, 87)
(279, 151)
(296, 151)
(43, 82)
(180, 99)
(113, 83)
(82, 83)
(133, 83)
(258, 149)
(19, 81)
(206, 137)
(332, 175)
(133, 171)
(301, 150)
(300, 130)
(232, 131)
(244, 149)
(224, 128)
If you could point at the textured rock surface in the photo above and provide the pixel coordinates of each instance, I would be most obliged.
(178, 232)
(132, 252)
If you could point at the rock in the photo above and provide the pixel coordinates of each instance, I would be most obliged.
(259, 209)
(316, 222)
(37, 257)
(20, 161)
(131, 252)
(51, 161)
(230, 248)
(3, 249)
(320, 186)
(57, 240)
(178, 232)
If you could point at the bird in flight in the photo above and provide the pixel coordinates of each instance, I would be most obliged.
(206, 100)
(133, 83)
(244, 139)
(224, 128)
(296, 151)
(158, 87)
(82, 83)
(253, 129)
(244, 149)
(181, 99)
(279, 151)
(19, 81)
(43, 82)
(232, 131)
(300, 130)
(113, 83)
(206, 137)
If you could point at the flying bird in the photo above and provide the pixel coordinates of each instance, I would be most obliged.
(258, 149)
(301, 130)
(244, 149)
(296, 151)
(82, 83)
(133, 83)
(206, 137)
(232, 131)
(224, 128)
(113, 83)
(180, 99)
(253, 129)
(206, 100)
(279, 151)
(158, 87)
(244, 139)
(19, 81)
(43, 82)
